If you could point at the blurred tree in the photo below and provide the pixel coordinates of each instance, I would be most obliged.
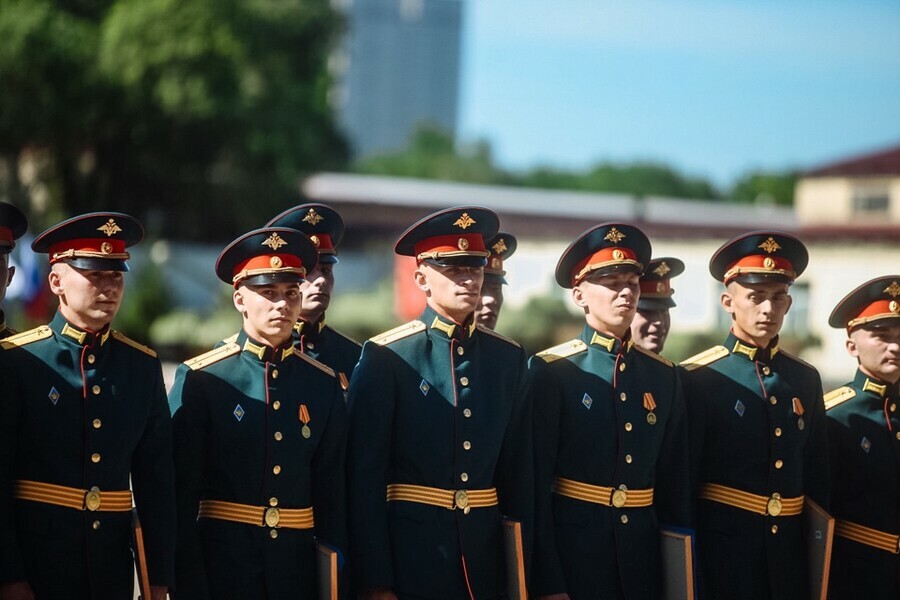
(765, 187)
(197, 115)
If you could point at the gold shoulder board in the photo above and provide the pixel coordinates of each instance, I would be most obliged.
(230, 339)
(705, 358)
(130, 342)
(27, 337)
(346, 337)
(654, 355)
(838, 396)
(797, 358)
(314, 362)
(564, 350)
(493, 333)
(398, 333)
(213, 356)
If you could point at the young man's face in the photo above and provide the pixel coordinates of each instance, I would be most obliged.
(650, 328)
(316, 291)
(450, 291)
(6, 274)
(88, 299)
(609, 301)
(757, 309)
(878, 351)
(269, 311)
(491, 302)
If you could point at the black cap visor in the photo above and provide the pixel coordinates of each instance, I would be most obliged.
(97, 264)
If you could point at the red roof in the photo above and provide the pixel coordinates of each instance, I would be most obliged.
(885, 162)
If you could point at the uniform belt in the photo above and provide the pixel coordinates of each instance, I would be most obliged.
(69, 497)
(770, 506)
(868, 536)
(607, 496)
(261, 516)
(450, 499)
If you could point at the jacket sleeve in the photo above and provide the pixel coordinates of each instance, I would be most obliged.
(816, 469)
(673, 483)
(548, 574)
(329, 481)
(152, 477)
(371, 405)
(11, 567)
(189, 427)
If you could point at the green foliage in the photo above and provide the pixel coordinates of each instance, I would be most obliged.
(765, 187)
(542, 322)
(145, 300)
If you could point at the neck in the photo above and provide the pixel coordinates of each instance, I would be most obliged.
(759, 342)
(272, 341)
(312, 316)
(607, 330)
(880, 377)
(81, 321)
(458, 317)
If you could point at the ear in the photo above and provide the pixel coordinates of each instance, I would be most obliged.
(55, 281)
(421, 280)
(727, 301)
(852, 350)
(12, 271)
(790, 302)
(578, 297)
(238, 298)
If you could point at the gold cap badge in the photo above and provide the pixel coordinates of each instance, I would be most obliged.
(313, 218)
(463, 244)
(106, 248)
(662, 269)
(110, 228)
(274, 241)
(275, 262)
(893, 290)
(465, 221)
(770, 246)
(315, 240)
(615, 236)
(499, 247)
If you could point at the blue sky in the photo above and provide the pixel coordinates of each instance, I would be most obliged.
(714, 88)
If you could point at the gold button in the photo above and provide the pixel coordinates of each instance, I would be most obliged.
(622, 367)
(91, 359)
(273, 533)
(778, 432)
(460, 350)
(273, 501)
(276, 405)
(97, 423)
(774, 528)
(773, 400)
(96, 389)
(779, 463)
(467, 413)
(898, 435)
(627, 426)
(276, 469)
(893, 407)
(310, 345)
(464, 476)
(464, 381)
(623, 397)
(278, 436)
(95, 458)
(624, 518)
(467, 445)
(766, 370)
(628, 458)
(274, 373)
(96, 524)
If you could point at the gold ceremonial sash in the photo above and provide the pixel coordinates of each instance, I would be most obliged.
(606, 496)
(61, 495)
(261, 516)
(868, 536)
(770, 506)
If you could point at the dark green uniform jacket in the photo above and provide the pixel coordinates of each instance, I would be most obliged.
(328, 346)
(864, 440)
(5, 331)
(593, 424)
(748, 432)
(239, 438)
(83, 410)
(439, 405)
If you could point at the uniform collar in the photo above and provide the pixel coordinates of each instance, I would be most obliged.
(310, 330)
(262, 352)
(605, 342)
(2, 321)
(444, 327)
(79, 336)
(873, 386)
(740, 348)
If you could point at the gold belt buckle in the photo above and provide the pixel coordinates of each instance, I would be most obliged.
(773, 506)
(461, 500)
(619, 498)
(92, 499)
(272, 517)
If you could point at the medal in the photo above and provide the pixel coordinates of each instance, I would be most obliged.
(305, 419)
(306, 432)
(651, 418)
(800, 424)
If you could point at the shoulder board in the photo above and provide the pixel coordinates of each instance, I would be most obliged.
(705, 358)
(654, 356)
(398, 333)
(130, 342)
(230, 339)
(493, 333)
(838, 396)
(314, 362)
(796, 358)
(346, 337)
(564, 350)
(27, 337)
(213, 356)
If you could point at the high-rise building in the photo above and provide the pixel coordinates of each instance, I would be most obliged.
(397, 68)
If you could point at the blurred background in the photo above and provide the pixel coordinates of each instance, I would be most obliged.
(695, 119)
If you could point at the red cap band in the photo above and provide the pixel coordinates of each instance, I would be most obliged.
(270, 263)
(759, 264)
(658, 288)
(605, 257)
(879, 309)
(88, 248)
(322, 242)
(6, 236)
(464, 244)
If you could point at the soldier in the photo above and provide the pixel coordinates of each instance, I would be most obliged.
(651, 323)
(501, 247)
(325, 228)
(864, 443)
(259, 439)
(440, 432)
(610, 434)
(12, 226)
(84, 409)
(757, 426)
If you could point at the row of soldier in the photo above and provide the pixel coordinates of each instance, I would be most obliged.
(404, 455)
